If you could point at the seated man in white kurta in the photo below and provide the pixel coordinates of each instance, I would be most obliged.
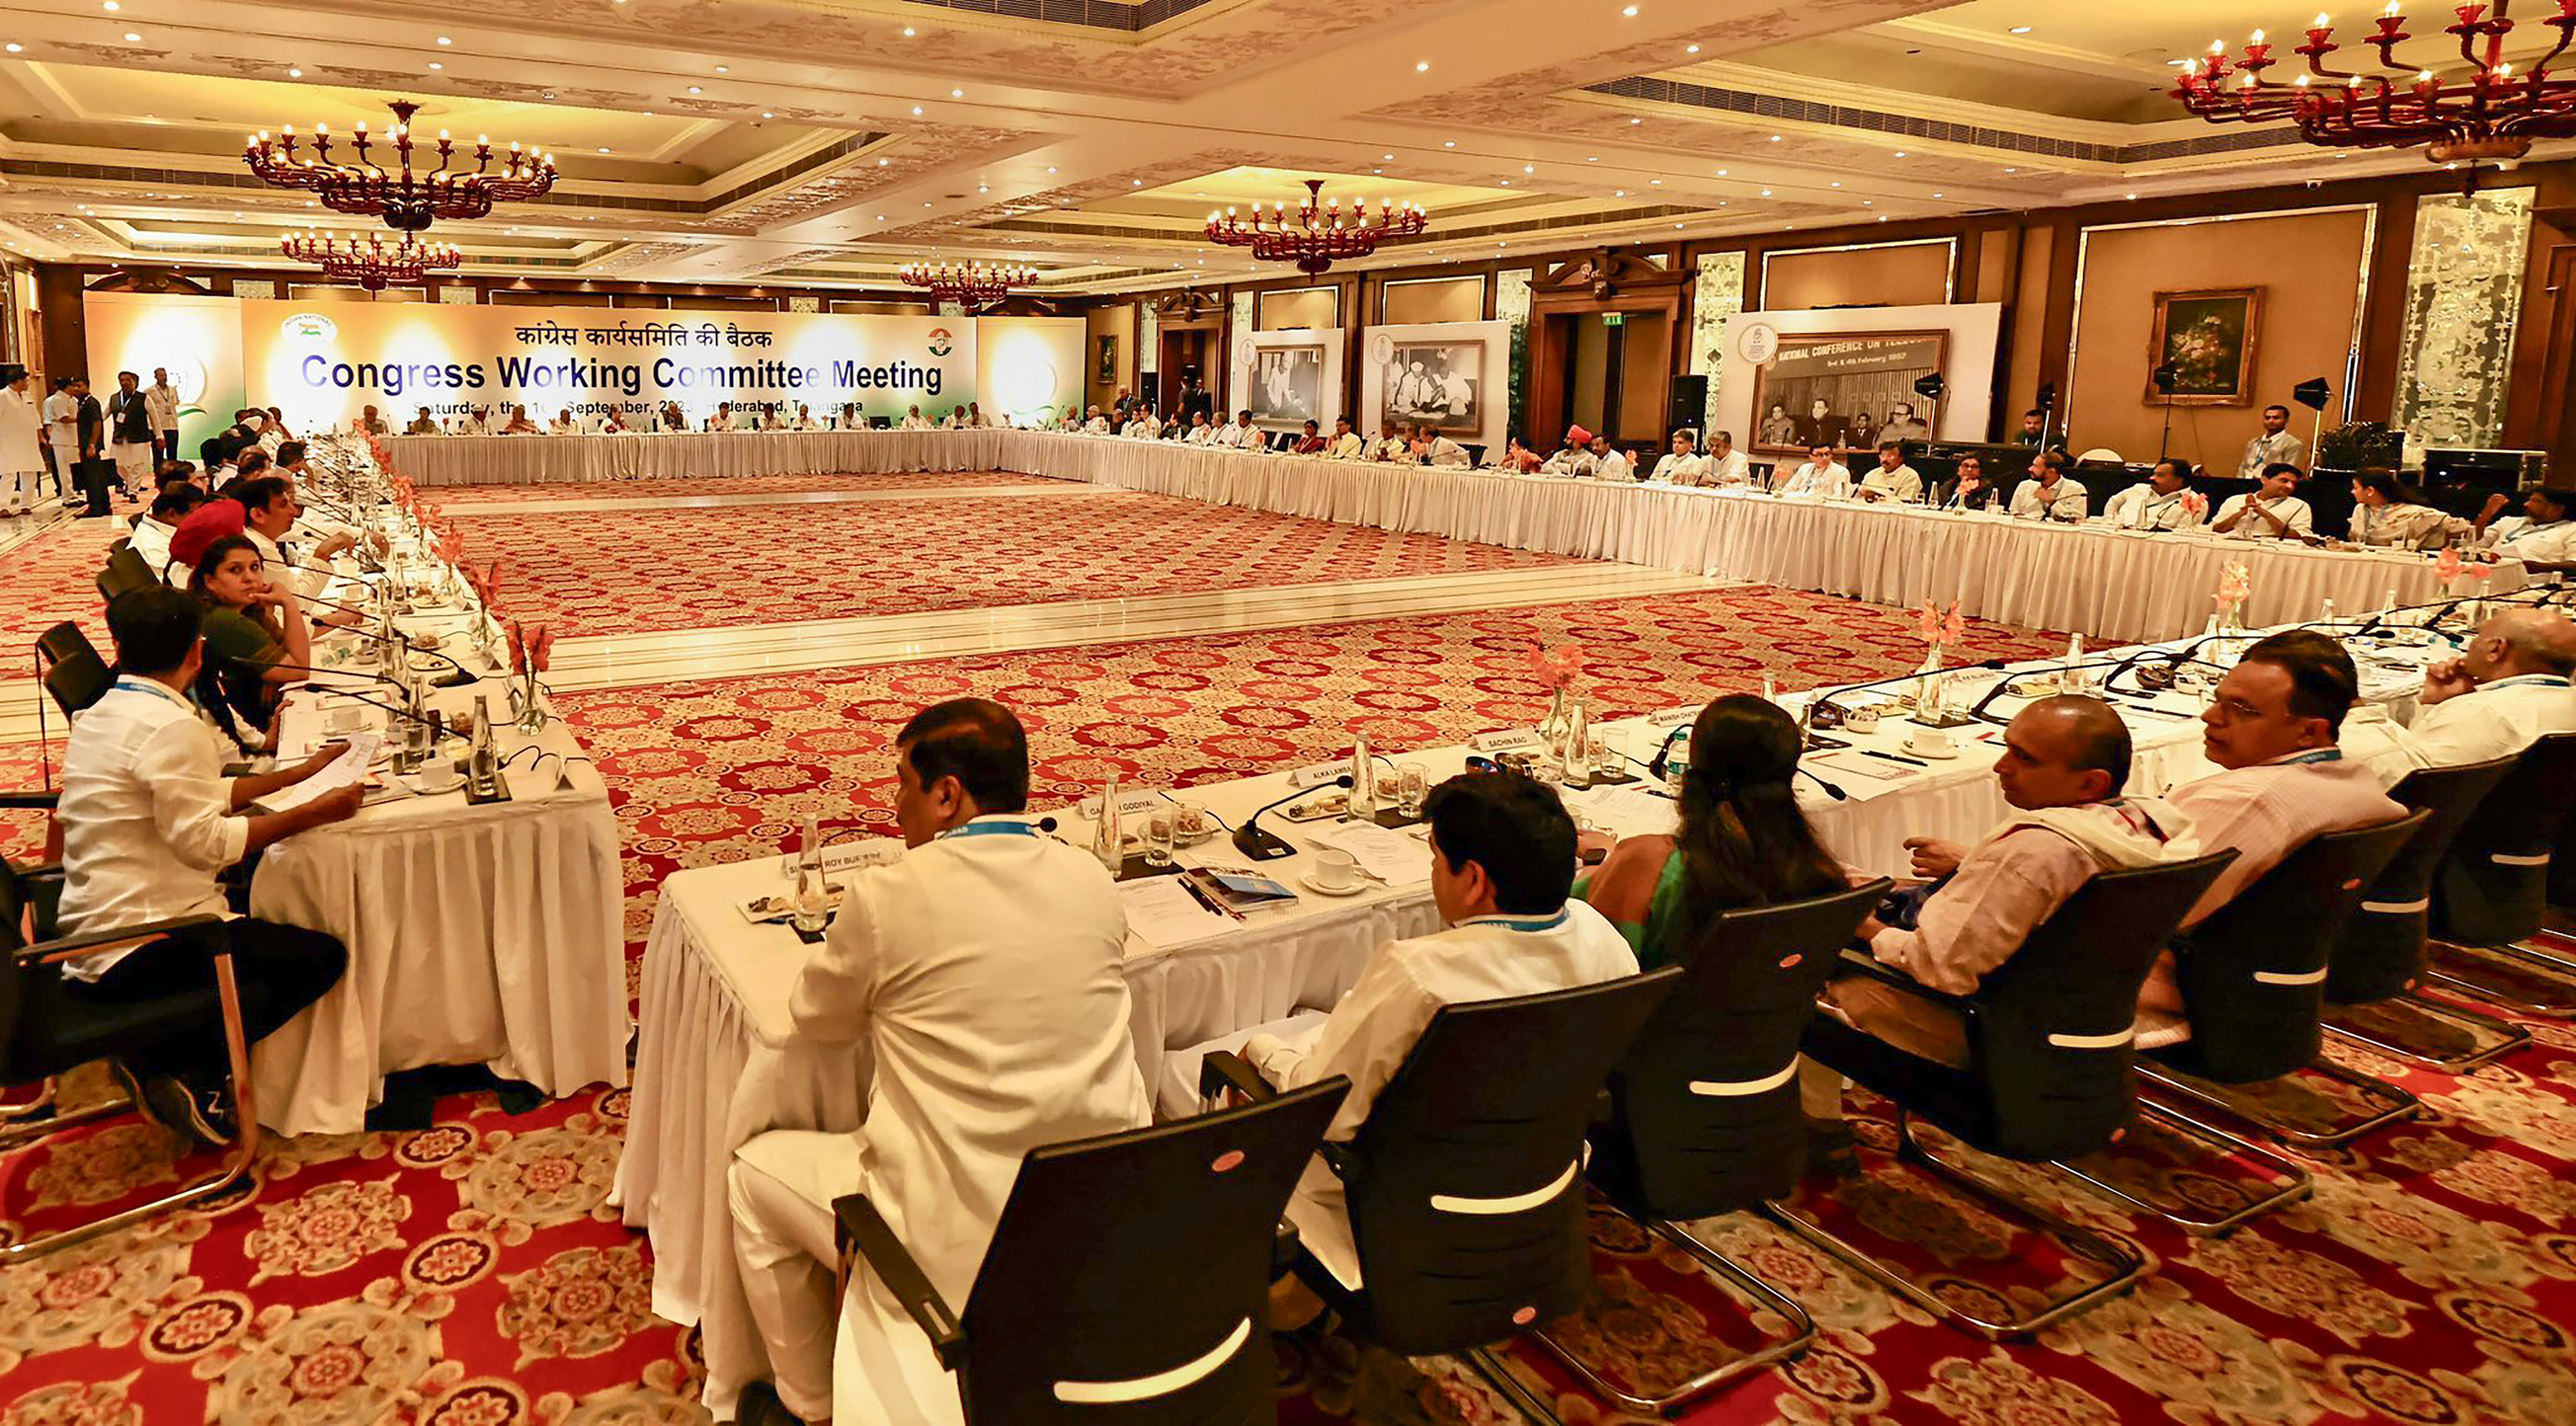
(1502, 872)
(2161, 504)
(913, 420)
(2506, 691)
(983, 973)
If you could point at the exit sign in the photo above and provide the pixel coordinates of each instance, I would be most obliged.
(1614, 319)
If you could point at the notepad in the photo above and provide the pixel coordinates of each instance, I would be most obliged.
(1161, 912)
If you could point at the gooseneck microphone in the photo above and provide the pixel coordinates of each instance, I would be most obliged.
(457, 679)
(1264, 846)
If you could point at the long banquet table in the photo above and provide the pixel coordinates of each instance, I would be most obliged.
(490, 935)
(717, 1061)
(2105, 583)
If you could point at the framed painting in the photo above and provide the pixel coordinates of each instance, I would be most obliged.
(2202, 347)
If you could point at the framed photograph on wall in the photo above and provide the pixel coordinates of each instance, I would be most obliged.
(1287, 387)
(1439, 385)
(2206, 338)
(1108, 360)
(1845, 390)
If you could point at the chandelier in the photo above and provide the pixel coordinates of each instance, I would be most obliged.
(373, 263)
(407, 201)
(2490, 112)
(971, 284)
(1318, 234)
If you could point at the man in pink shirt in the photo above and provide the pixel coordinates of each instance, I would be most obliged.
(2064, 762)
(2272, 727)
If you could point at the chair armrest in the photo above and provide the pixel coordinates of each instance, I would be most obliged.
(1870, 965)
(1224, 1069)
(64, 947)
(860, 1226)
(30, 801)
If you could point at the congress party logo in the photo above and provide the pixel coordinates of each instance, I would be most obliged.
(939, 341)
(310, 326)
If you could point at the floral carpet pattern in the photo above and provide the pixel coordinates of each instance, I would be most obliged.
(677, 489)
(651, 570)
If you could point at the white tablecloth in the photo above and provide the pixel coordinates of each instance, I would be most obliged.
(476, 935)
(717, 1062)
(2106, 584)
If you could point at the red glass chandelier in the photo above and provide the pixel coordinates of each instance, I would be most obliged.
(1317, 234)
(373, 263)
(2488, 112)
(407, 201)
(969, 283)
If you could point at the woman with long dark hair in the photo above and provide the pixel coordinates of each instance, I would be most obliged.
(1743, 842)
(255, 637)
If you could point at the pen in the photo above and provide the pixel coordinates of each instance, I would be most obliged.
(1891, 757)
(1211, 903)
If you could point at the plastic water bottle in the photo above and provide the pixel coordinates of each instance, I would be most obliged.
(1363, 798)
(1677, 761)
(1108, 840)
(813, 907)
(483, 766)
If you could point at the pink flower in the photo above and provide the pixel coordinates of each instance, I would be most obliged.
(1955, 631)
(1559, 669)
(1930, 622)
(2196, 503)
(2446, 565)
(518, 649)
(542, 655)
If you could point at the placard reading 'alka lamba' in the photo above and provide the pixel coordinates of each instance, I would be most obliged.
(321, 363)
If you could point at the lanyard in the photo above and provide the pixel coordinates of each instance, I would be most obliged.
(2530, 680)
(2312, 755)
(980, 828)
(1510, 923)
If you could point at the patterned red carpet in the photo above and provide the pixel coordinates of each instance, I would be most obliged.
(676, 569)
(732, 485)
(53, 577)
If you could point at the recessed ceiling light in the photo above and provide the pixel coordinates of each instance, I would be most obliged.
(1936, 195)
(1595, 158)
(1775, 138)
(1721, 173)
(132, 38)
(110, 6)
(1636, 121)
(724, 69)
(1135, 183)
(1900, 153)
(15, 47)
(881, 217)
(1837, 183)
(1507, 183)
(603, 150)
(956, 93)
(434, 64)
(696, 90)
(2021, 29)
(1690, 49)
(1422, 66)
(2132, 195)
(1629, 11)
(766, 114)
(1619, 193)
(916, 111)
(882, 162)
(980, 188)
(1449, 144)
(1386, 158)
(1766, 192)
(1050, 168)
(1528, 168)
(1657, 182)
(1882, 217)
(907, 32)
(442, 39)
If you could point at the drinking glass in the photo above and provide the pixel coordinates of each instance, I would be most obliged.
(1160, 831)
(1412, 787)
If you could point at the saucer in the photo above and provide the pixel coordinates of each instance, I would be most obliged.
(1355, 888)
(1910, 746)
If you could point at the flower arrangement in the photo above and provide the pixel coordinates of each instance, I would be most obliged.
(2196, 504)
(532, 650)
(2235, 586)
(1557, 669)
(1937, 630)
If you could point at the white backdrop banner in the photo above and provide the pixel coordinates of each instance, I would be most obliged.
(1453, 377)
(1287, 378)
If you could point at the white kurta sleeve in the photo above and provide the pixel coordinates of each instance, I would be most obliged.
(837, 988)
(1366, 1038)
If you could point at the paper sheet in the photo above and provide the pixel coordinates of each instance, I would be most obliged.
(1161, 913)
(347, 768)
(1383, 852)
(1632, 811)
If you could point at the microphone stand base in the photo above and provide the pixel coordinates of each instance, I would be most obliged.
(1261, 845)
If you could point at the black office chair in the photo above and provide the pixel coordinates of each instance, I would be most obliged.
(2377, 965)
(1464, 1184)
(125, 571)
(2252, 979)
(46, 1031)
(1128, 1278)
(2050, 1034)
(70, 668)
(2490, 899)
(1704, 1115)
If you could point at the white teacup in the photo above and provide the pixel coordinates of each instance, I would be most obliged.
(1862, 720)
(1336, 869)
(1935, 741)
(441, 775)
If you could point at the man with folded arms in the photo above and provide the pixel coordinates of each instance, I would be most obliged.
(2049, 494)
(1821, 478)
(2274, 512)
(1726, 465)
(2157, 505)
(2273, 726)
(982, 974)
(2064, 764)
(2506, 691)
(147, 820)
(1502, 874)
(1891, 480)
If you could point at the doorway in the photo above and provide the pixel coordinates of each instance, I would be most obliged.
(1182, 356)
(1610, 370)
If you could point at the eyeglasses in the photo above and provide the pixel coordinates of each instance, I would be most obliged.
(2237, 710)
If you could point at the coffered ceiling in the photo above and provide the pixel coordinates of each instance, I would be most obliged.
(825, 142)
